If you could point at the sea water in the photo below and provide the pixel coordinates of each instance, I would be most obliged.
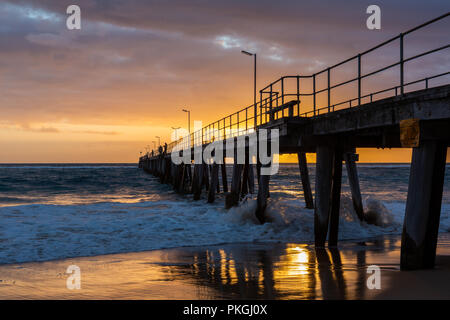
(53, 211)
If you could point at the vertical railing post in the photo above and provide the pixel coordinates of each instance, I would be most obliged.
(298, 96)
(328, 81)
(254, 92)
(282, 96)
(314, 94)
(270, 103)
(401, 64)
(260, 107)
(246, 119)
(359, 79)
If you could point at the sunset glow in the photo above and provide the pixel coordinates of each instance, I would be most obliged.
(102, 93)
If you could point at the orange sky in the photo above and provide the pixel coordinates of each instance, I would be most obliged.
(101, 94)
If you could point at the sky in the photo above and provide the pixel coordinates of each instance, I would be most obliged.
(103, 93)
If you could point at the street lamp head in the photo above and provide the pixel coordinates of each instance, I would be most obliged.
(247, 53)
(184, 110)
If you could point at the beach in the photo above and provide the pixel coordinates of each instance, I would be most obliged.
(134, 238)
(291, 271)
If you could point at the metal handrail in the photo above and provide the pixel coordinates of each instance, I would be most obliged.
(275, 94)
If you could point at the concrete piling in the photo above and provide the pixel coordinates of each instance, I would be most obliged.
(303, 167)
(214, 183)
(353, 181)
(324, 175)
(423, 206)
(335, 199)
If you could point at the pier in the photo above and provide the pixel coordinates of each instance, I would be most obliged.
(304, 112)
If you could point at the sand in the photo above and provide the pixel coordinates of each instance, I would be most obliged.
(236, 271)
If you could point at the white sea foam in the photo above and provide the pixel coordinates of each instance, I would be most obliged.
(45, 232)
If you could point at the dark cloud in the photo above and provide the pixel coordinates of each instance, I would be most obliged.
(139, 60)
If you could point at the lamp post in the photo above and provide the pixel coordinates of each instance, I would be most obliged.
(159, 140)
(254, 82)
(154, 145)
(189, 119)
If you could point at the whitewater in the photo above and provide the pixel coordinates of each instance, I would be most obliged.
(50, 212)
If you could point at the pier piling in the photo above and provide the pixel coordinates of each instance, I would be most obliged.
(324, 176)
(303, 166)
(353, 181)
(335, 199)
(214, 183)
(423, 206)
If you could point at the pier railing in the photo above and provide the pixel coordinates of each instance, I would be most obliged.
(285, 97)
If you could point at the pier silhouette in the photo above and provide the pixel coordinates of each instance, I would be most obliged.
(303, 110)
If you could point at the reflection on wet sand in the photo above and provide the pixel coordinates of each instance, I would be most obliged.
(285, 271)
(234, 271)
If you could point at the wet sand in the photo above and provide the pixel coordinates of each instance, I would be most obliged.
(236, 271)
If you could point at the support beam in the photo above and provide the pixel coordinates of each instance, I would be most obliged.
(335, 199)
(251, 179)
(232, 199)
(423, 206)
(206, 176)
(177, 176)
(303, 166)
(263, 194)
(324, 175)
(197, 183)
(223, 167)
(246, 169)
(182, 185)
(214, 183)
(353, 180)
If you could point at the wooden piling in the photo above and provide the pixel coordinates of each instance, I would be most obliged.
(335, 199)
(214, 183)
(251, 179)
(223, 170)
(200, 181)
(324, 175)
(353, 181)
(197, 181)
(246, 169)
(232, 199)
(263, 194)
(303, 166)
(206, 176)
(423, 206)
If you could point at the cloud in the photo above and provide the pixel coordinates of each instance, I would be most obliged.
(138, 63)
(108, 133)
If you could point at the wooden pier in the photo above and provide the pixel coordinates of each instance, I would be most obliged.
(417, 119)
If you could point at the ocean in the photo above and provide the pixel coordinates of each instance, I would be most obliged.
(57, 211)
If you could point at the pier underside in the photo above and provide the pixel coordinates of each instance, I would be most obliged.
(418, 120)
